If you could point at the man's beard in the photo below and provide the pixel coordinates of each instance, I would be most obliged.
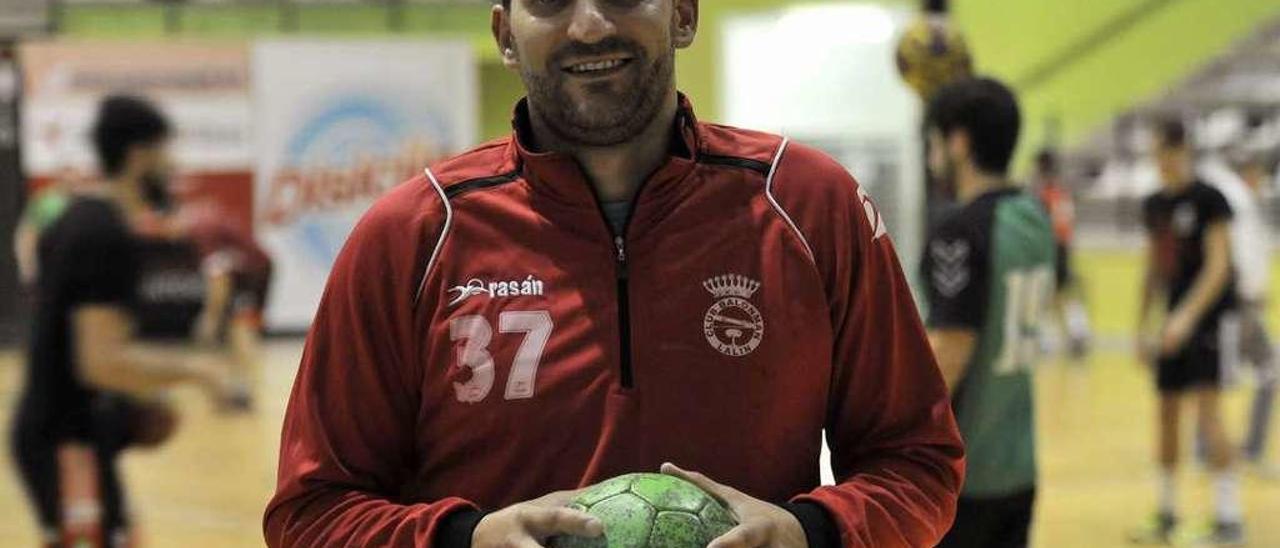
(945, 182)
(155, 190)
(614, 116)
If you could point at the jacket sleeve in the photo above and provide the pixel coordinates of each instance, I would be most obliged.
(348, 438)
(896, 450)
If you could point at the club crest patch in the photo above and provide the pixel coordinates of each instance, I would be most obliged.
(733, 325)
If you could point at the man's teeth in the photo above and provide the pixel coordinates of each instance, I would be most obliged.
(597, 66)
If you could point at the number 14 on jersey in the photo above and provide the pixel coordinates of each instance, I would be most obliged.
(1027, 295)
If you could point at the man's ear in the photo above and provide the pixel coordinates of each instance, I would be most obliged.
(500, 25)
(958, 145)
(134, 156)
(684, 22)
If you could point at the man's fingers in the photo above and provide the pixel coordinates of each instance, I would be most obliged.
(742, 536)
(558, 498)
(722, 492)
(545, 522)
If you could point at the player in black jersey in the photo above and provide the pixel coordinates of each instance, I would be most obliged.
(1189, 269)
(88, 382)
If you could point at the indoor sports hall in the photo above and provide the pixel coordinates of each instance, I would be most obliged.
(264, 131)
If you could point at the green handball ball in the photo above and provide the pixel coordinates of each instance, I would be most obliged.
(650, 510)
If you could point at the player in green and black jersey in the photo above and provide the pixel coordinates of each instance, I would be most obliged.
(989, 272)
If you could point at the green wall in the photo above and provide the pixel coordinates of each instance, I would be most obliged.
(500, 88)
(240, 21)
(1010, 38)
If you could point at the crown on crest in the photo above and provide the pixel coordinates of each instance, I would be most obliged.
(731, 285)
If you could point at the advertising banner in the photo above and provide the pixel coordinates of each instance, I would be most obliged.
(337, 124)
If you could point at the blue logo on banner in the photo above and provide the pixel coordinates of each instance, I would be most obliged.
(345, 156)
(335, 139)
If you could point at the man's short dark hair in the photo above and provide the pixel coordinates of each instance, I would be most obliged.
(1172, 133)
(123, 122)
(988, 112)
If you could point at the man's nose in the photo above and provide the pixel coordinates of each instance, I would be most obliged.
(590, 23)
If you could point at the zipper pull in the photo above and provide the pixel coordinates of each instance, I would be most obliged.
(622, 250)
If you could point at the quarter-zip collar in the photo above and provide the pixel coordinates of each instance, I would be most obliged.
(559, 175)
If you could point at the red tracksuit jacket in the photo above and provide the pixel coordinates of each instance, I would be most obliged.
(485, 339)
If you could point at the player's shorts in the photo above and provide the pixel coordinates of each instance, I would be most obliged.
(108, 421)
(999, 522)
(1208, 360)
(1062, 266)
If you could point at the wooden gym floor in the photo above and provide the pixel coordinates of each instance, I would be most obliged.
(208, 486)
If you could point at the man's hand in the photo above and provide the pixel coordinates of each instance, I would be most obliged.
(759, 523)
(1177, 330)
(1147, 348)
(529, 524)
(213, 373)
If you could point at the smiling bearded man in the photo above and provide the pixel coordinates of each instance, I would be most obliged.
(698, 294)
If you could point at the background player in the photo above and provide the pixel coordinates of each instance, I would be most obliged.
(1068, 303)
(1256, 342)
(87, 380)
(988, 270)
(1251, 258)
(193, 238)
(43, 208)
(237, 275)
(1189, 269)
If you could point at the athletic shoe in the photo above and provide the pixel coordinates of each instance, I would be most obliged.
(1158, 530)
(1219, 534)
